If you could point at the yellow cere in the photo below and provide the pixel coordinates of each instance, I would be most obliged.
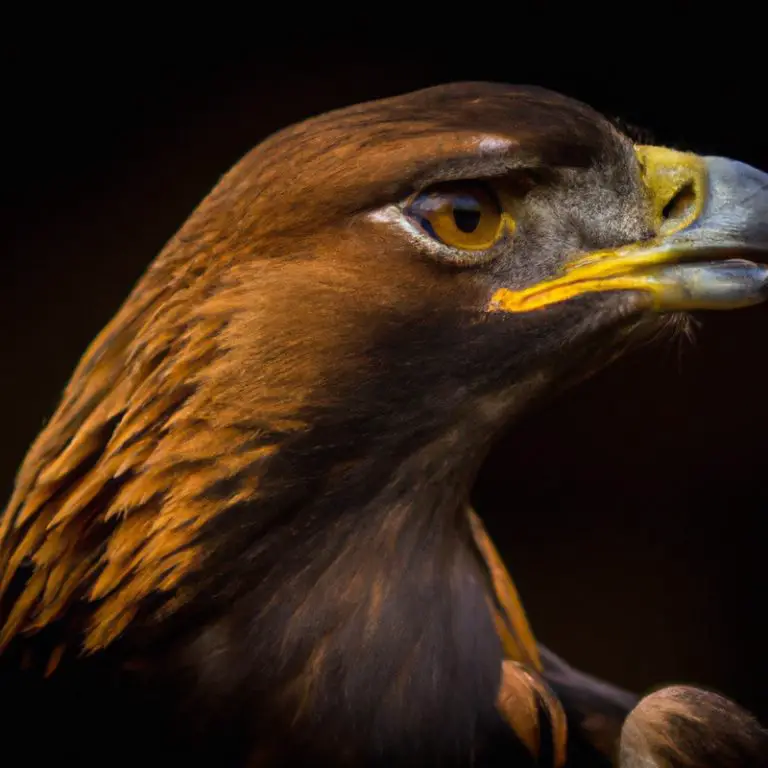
(676, 184)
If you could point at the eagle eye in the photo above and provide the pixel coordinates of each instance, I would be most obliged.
(463, 215)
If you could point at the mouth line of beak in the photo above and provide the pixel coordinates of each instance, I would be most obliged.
(717, 257)
(670, 279)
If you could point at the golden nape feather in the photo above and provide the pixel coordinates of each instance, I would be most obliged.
(100, 499)
(243, 537)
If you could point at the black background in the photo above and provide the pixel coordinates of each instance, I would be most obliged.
(630, 511)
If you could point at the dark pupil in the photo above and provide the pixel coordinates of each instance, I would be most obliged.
(466, 213)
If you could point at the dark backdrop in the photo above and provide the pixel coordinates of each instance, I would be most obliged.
(630, 511)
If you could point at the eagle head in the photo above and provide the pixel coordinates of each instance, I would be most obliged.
(258, 475)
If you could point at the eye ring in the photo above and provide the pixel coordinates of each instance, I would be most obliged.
(466, 216)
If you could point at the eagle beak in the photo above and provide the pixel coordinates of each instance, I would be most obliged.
(711, 219)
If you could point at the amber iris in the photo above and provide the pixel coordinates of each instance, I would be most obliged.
(460, 215)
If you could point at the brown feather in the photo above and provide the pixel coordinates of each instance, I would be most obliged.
(686, 727)
(523, 699)
(284, 321)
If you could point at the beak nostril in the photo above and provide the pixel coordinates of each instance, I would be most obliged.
(680, 208)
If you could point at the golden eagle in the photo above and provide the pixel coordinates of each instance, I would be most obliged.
(243, 538)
